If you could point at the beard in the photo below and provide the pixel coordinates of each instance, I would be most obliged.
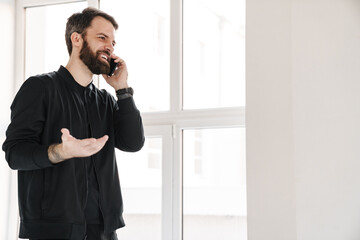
(92, 61)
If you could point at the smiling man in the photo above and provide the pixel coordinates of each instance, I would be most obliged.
(63, 134)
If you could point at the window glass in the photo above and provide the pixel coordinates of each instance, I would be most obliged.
(143, 41)
(141, 184)
(214, 53)
(214, 191)
(45, 47)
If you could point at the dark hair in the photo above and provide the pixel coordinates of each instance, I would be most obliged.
(79, 22)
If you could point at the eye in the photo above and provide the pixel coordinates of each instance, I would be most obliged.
(101, 37)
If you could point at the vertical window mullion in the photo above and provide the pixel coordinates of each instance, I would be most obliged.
(176, 106)
(167, 183)
(20, 45)
(177, 184)
(176, 53)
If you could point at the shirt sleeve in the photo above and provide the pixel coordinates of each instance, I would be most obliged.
(129, 132)
(23, 148)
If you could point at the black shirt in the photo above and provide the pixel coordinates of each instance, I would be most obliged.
(92, 208)
(52, 198)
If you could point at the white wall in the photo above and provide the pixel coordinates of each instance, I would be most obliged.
(303, 110)
(7, 18)
(269, 121)
(326, 108)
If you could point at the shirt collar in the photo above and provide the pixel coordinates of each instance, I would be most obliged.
(66, 75)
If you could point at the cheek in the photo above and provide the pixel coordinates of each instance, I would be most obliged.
(94, 46)
(94, 49)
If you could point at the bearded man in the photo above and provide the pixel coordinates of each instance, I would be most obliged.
(63, 134)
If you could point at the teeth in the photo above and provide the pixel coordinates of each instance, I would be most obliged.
(104, 57)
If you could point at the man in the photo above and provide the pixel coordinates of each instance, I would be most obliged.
(62, 136)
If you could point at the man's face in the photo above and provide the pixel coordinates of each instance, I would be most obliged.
(98, 46)
(91, 59)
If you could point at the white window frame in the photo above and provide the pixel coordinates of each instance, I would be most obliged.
(171, 122)
(165, 133)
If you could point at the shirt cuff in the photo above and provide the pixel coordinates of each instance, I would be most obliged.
(126, 105)
(41, 157)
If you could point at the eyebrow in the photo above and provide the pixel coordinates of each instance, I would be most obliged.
(106, 37)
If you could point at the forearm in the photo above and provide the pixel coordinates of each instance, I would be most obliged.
(54, 153)
(23, 147)
(27, 156)
(129, 132)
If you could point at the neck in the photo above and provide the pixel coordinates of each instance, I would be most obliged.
(79, 71)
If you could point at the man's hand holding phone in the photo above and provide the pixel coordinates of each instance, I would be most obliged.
(118, 79)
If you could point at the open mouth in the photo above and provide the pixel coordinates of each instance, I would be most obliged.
(104, 56)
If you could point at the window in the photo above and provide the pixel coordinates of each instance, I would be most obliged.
(45, 47)
(201, 88)
(141, 183)
(214, 203)
(214, 59)
(186, 62)
(143, 40)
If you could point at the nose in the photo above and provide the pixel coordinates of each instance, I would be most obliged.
(109, 48)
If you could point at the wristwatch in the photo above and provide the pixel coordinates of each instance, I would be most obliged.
(124, 93)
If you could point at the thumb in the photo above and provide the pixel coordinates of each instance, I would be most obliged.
(65, 134)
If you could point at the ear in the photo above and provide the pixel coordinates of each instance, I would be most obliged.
(76, 39)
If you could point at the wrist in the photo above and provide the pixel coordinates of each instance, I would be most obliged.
(55, 153)
(121, 86)
(124, 93)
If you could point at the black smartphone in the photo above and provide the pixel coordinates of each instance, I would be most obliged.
(113, 65)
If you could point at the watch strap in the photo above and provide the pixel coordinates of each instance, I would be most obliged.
(124, 93)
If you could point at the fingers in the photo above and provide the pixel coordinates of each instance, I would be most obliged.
(116, 58)
(73, 147)
(93, 141)
(91, 146)
(121, 66)
(104, 138)
(120, 61)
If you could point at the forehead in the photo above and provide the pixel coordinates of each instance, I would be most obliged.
(101, 25)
